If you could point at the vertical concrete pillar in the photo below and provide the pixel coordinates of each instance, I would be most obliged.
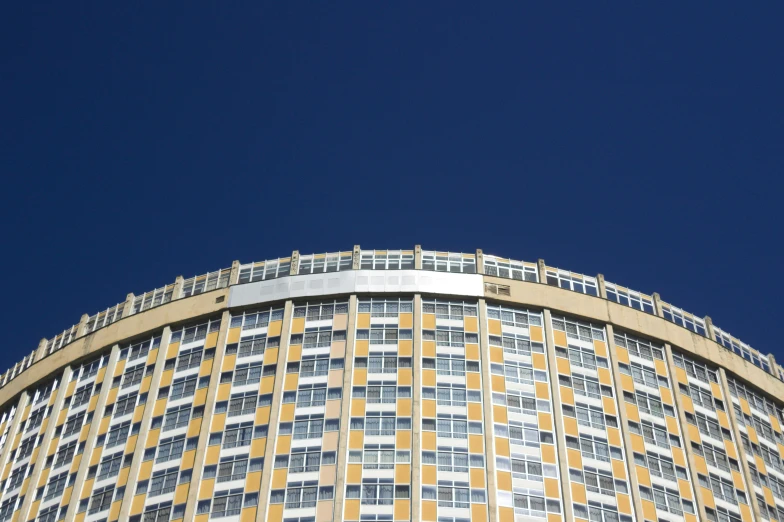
(416, 415)
(657, 304)
(178, 284)
(40, 462)
(356, 257)
(341, 461)
(81, 330)
(24, 400)
(627, 440)
(487, 406)
(480, 261)
(84, 464)
(41, 351)
(709, 328)
(294, 270)
(542, 269)
(672, 370)
(744, 463)
(209, 408)
(277, 401)
(234, 275)
(558, 422)
(418, 257)
(128, 308)
(602, 288)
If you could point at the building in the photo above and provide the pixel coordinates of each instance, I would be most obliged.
(392, 386)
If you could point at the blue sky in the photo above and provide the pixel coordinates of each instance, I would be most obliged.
(141, 142)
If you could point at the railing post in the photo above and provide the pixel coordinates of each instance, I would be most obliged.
(178, 284)
(81, 330)
(355, 257)
(480, 261)
(709, 328)
(657, 304)
(600, 284)
(294, 270)
(542, 268)
(418, 257)
(41, 352)
(234, 276)
(128, 308)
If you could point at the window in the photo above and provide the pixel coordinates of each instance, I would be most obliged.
(449, 262)
(101, 500)
(65, 454)
(205, 283)
(454, 310)
(516, 344)
(528, 469)
(708, 426)
(314, 367)
(177, 417)
(321, 263)
(110, 466)
(530, 505)
(118, 434)
(694, 369)
(55, 486)
(572, 281)
(304, 462)
(36, 418)
(387, 260)
(581, 357)
(237, 436)
(321, 311)
(321, 338)
(629, 297)
(379, 364)
(242, 404)
(590, 447)
(447, 366)
(578, 329)
(381, 426)
(381, 394)
(153, 298)
(308, 429)
(163, 481)
(648, 404)
(232, 468)
(125, 405)
(682, 318)
(73, 424)
(301, 497)
(263, 270)
(82, 395)
(226, 504)
(133, 377)
(308, 397)
(170, 449)
(499, 267)
(375, 459)
(742, 349)
(451, 428)
(700, 397)
(257, 319)
(191, 334)
(183, 387)
(446, 337)
(156, 513)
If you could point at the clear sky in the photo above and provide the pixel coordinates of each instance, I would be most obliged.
(142, 142)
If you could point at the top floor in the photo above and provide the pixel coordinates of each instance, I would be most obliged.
(414, 259)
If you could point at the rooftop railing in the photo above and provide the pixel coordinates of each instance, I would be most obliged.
(396, 260)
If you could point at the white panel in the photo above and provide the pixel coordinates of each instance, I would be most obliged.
(356, 281)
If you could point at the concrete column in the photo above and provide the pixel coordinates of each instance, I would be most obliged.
(416, 414)
(600, 284)
(418, 257)
(294, 263)
(341, 462)
(209, 407)
(24, 400)
(558, 422)
(178, 284)
(744, 463)
(234, 275)
(542, 268)
(128, 308)
(657, 304)
(487, 407)
(672, 370)
(84, 464)
(277, 402)
(81, 330)
(40, 462)
(480, 261)
(709, 328)
(627, 439)
(41, 351)
(356, 257)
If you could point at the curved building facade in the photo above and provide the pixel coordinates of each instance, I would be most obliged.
(392, 386)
